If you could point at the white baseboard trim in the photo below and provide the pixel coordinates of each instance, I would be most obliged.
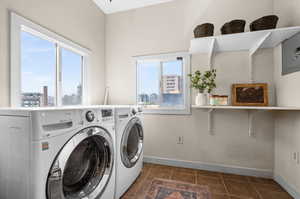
(210, 167)
(280, 180)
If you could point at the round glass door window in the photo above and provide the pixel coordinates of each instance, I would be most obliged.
(83, 167)
(132, 143)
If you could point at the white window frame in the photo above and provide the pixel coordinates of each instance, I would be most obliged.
(19, 24)
(186, 83)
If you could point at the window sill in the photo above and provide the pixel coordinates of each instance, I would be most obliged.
(163, 111)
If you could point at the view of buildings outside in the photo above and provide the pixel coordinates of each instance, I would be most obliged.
(171, 94)
(167, 99)
(73, 99)
(35, 99)
(168, 92)
(31, 99)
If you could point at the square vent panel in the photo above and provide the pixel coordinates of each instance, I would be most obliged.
(112, 6)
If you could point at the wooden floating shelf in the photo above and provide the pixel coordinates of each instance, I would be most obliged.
(270, 108)
(247, 41)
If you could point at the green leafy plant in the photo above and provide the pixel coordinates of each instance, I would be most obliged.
(204, 81)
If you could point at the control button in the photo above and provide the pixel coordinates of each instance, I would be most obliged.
(90, 116)
(133, 111)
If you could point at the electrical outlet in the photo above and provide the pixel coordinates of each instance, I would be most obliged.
(295, 157)
(180, 140)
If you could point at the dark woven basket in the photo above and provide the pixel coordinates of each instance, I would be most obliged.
(204, 30)
(264, 23)
(235, 26)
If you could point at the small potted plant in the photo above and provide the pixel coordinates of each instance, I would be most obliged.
(204, 83)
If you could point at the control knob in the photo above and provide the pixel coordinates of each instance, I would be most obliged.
(90, 116)
(133, 111)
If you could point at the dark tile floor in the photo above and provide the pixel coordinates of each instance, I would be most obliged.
(222, 186)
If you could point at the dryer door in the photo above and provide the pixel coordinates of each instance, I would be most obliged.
(83, 167)
(132, 143)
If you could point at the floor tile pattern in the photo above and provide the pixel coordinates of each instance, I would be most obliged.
(222, 186)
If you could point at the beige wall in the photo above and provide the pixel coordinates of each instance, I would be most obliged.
(288, 11)
(287, 124)
(167, 28)
(77, 20)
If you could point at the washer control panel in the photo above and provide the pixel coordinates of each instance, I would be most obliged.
(106, 113)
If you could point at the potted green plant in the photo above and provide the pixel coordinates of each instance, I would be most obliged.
(204, 83)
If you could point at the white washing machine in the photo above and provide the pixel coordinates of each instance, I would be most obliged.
(129, 151)
(57, 153)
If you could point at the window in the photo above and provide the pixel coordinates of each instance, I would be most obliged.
(38, 63)
(71, 70)
(162, 85)
(46, 69)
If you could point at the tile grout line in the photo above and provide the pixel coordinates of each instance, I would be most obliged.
(259, 195)
(171, 173)
(196, 177)
(223, 181)
(143, 181)
(251, 184)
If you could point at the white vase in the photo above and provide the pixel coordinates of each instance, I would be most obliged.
(201, 99)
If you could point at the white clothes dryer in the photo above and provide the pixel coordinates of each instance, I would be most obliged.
(129, 151)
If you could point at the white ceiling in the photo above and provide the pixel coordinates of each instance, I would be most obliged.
(121, 5)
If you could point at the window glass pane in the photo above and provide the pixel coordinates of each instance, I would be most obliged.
(38, 71)
(71, 65)
(172, 82)
(149, 79)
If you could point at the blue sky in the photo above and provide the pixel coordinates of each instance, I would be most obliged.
(38, 61)
(149, 74)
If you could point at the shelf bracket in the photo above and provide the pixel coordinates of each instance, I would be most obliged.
(251, 114)
(210, 121)
(258, 44)
(211, 53)
(250, 123)
(253, 50)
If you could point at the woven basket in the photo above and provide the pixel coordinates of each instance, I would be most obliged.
(235, 26)
(264, 23)
(204, 30)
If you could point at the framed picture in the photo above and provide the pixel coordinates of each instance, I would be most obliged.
(250, 94)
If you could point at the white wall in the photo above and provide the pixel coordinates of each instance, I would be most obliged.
(167, 28)
(287, 124)
(79, 21)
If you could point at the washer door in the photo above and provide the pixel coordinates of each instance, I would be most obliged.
(132, 143)
(83, 167)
